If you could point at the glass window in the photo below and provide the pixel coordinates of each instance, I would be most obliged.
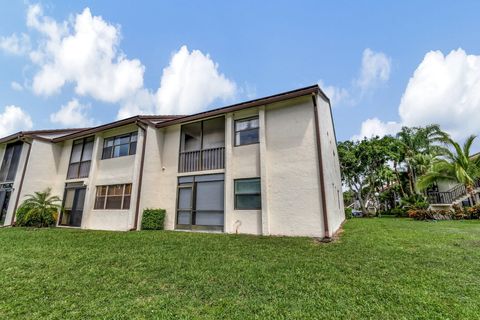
(10, 161)
(246, 131)
(114, 197)
(80, 158)
(248, 194)
(120, 146)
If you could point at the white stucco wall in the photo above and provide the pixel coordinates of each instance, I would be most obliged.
(293, 184)
(121, 170)
(332, 175)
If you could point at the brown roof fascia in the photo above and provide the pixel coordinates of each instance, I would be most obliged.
(35, 134)
(248, 104)
(147, 120)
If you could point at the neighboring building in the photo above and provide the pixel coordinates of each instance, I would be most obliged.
(267, 166)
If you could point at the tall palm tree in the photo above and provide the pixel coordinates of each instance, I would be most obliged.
(454, 164)
(39, 210)
(417, 143)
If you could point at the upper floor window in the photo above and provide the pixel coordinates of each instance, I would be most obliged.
(119, 146)
(11, 158)
(81, 158)
(246, 131)
(113, 197)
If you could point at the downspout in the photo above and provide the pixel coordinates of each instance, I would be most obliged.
(140, 177)
(321, 176)
(21, 181)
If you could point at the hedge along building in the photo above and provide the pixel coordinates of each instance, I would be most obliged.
(267, 166)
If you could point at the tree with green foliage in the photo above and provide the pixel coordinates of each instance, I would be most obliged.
(364, 166)
(39, 210)
(418, 147)
(454, 163)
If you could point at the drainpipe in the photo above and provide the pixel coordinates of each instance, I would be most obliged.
(21, 181)
(321, 176)
(140, 177)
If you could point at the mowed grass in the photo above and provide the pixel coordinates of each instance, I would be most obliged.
(378, 269)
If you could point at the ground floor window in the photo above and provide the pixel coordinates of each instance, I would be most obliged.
(113, 197)
(5, 193)
(247, 194)
(200, 202)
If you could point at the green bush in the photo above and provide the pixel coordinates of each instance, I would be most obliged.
(399, 212)
(27, 216)
(153, 219)
(348, 213)
(39, 209)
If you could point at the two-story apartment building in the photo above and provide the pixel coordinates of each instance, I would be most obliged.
(267, 166)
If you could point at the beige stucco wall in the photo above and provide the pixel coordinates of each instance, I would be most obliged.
(332, 175)
(293, 184)
(160, 172)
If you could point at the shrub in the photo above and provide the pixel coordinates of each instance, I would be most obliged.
(348, 213)
(399, 212)
(153, 219)
(38, 210)
(425, 214)
(472, 212)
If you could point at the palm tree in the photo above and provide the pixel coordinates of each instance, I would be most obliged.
(39, 210)
(454, 164)
(417, 144)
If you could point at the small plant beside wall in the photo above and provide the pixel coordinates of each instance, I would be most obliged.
(38, 210)
(153, 219)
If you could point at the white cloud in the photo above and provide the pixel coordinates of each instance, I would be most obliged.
(14, 119)
(374, 127)
(15, 44)
(83, 51)
(444, 90)
(16, 86)
(73, 114)
(191, 82)
(336, 95)
(141, 102)
(375, 70)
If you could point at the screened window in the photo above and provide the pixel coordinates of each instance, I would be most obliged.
(81, 158)
(247, 194)
(120, 146)
(10, 161)
(113, 197)
(246, 131)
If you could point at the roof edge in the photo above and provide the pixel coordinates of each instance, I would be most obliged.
(248, 104)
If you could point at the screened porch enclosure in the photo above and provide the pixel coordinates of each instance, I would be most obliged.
(200, 202)
(202, 145)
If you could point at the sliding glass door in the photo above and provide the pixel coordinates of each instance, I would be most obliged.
(200, 202)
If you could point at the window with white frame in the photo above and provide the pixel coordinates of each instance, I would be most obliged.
(248, 194)
(246, 131)
(120, 146)
(113, 197)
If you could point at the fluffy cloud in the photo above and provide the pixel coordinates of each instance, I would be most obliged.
(374, 127)
(375, 70)
(14, 119)
(191, 82)
(445, 90)
(15, 44)
(73, 114)
(84, 52)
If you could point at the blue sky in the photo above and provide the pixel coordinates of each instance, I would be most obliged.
(181, 57)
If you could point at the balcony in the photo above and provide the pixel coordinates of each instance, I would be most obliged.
(202, 146)
(200, 160)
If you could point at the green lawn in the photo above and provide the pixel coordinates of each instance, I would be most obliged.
(379, 268)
